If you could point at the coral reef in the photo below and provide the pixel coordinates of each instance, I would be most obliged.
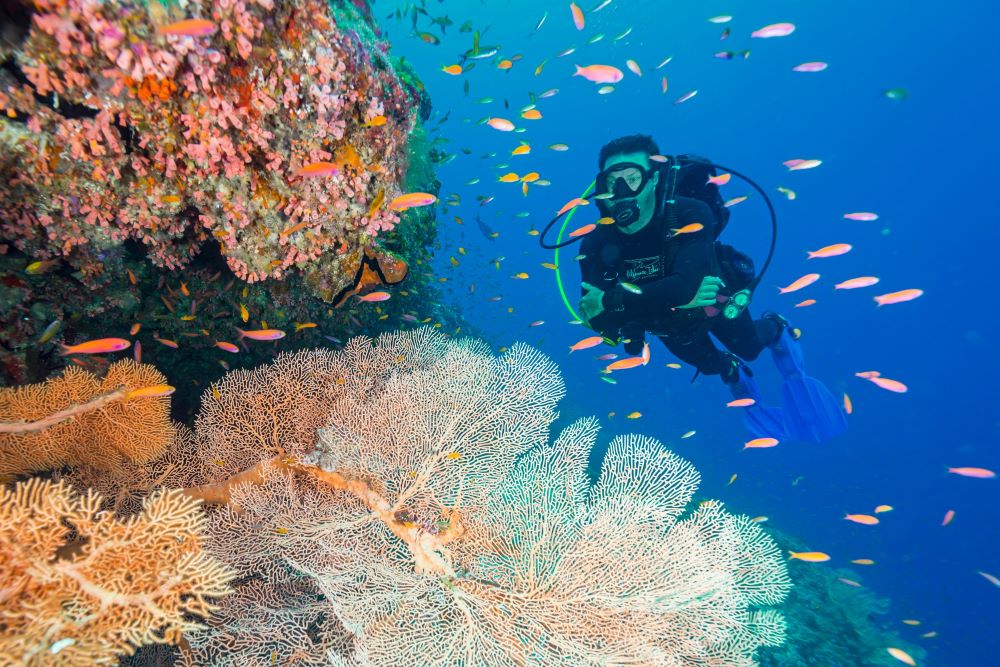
(179, 140)
(82, 588)
(79, 419)
(831, 622)
(431, 522)
(141, 170)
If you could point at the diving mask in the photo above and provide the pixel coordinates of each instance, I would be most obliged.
(623, 181)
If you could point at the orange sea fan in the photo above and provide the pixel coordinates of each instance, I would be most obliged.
(109, 436)
(79, 587)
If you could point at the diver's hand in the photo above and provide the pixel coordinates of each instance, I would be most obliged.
(591, 303)
(705, 296)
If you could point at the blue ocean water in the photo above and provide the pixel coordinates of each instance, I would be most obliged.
(922, 163)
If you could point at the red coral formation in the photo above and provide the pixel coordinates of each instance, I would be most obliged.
(177, 141)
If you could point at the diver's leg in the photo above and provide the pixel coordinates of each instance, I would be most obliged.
(811, 410)
(701, 352)
(698, 351)
(744, 336)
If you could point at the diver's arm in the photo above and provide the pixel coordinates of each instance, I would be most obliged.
(693, 260)
(606, 322)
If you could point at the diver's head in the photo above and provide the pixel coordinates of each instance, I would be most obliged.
(628, 175)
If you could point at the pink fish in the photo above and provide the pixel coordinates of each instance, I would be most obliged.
(799, 164)
(898, 297)
(577, 15)
(740, 403)
(685, 97)
(774, 30)
(978, 473)
(537, 323)
(806, 303)
(189, 28)
(137, 352)
(862, 217)
(855, 283)
(804, 281)
(610, 356)
(831, 250)
(849, 582)
(948, 516)
(889, 385)
(600, 73)
(721, 179)
(810, 67)
(228, 347)
(501, 124)
(262, 334)
(99, 346)
(375, 296)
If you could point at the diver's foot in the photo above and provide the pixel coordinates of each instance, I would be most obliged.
(783, 325)
(733, 365)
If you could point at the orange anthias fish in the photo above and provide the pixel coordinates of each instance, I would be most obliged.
(898, 297)
(855, 283)
(154, 391)
(573, 203)
(577, 13)
(902, 656)
(760, 443)
(532, 114)
(948, 516)
(375, 296)
(804, 281)
(689, 229)
(99, 346)
(830, 251)
(412, 200)
(623, 364)
(809, 556)
(581, 231)
(454, 70)
(228, 347)
(721, 179)
(890, 385)
(863, 519)
(586, 343)
(318, 169)
(189, 28)
(740, 403)
(978, 473)
(262, 334)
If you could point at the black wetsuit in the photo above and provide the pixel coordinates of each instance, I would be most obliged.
(612, 257)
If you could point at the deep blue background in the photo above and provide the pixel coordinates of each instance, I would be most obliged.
(925, 165)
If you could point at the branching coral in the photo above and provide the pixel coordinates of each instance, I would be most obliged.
(82, 588)
(103, 427)
(442, 529)
(175, 141)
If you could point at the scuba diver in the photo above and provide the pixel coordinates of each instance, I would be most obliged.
(656, 267)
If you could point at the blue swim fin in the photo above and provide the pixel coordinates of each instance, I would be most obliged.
(762, 421)
(810, 411)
